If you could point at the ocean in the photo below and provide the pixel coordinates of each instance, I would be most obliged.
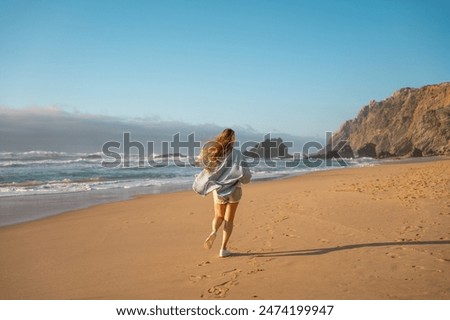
(36, 184)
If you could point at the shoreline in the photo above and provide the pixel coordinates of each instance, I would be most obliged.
(36, 207)
(26, 208)
(386, 226)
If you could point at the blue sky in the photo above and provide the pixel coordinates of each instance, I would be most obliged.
(300, 67)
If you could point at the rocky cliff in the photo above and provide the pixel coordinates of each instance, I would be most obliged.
(412, 122)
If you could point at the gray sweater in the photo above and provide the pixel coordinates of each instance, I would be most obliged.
(229, 174)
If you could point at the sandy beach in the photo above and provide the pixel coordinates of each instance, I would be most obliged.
(380, 232)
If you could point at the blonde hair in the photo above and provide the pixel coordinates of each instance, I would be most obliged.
(215, 151)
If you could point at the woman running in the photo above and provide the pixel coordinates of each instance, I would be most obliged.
(223, 172)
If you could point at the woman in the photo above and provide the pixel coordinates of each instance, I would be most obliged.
(223, 172)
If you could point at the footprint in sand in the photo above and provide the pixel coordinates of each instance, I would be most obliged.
(233, 273)
(281, 219)
(255, 271)
(418, 267)
(195, 278)
(201, 264)
(255, 266)
(220, 290)
(403, 239)
(392, 255)
(289, 235)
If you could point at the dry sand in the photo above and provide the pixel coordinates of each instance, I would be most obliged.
(379, 232)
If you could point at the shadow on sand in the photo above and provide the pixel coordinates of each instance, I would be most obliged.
(318, 251)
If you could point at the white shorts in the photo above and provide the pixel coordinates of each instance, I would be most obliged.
(234, 197)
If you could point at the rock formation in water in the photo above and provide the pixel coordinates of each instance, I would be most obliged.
(269, 149)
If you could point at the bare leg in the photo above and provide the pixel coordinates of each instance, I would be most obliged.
(219, 214)
(229, 219)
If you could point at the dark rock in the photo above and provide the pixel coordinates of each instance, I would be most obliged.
(367, 151)
(341, 150)
(385, 154)
(416, 153)
(269, 149)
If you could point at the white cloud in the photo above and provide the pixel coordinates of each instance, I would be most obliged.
(52, 128)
